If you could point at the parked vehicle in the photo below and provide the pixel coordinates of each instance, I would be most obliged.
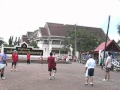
(116, 65)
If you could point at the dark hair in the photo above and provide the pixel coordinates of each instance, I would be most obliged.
(109, 53)
(51, 53)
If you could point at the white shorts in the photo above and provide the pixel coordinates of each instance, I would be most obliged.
(2, 66)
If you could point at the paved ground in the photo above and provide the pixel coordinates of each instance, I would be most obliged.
(68, 77)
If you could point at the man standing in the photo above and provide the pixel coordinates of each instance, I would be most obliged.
(14, 60)
(51, 66)
(89, 70)
(28, 58)
(108, 64)
(3, 64)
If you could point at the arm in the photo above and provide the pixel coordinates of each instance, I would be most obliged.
(86, 66)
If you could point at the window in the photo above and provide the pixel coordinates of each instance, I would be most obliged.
(56, 42)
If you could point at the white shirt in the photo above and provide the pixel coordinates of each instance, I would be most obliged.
(109, 61)
(90, 63)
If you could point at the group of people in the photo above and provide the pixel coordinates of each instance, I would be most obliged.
(90, 67)
(51, 63)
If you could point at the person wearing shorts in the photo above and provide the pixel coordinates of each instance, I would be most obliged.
(51, 66)
(108, 64)
(89, 70)
(14, 60)
(3, 64)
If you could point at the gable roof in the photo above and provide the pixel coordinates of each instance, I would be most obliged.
(34, 34)
(62, 30)
(28, 33)
(43, 31)
(25, 39)
(111, 45)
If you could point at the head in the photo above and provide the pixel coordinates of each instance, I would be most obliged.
(14, 51)
(51, 54)
(90, 56)
(109, 53)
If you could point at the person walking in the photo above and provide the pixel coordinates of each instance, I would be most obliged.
(108, 64)
(41, 59)
(51, 66)
(14, 60)
(3, 64)
(28, 58)
(89, 70)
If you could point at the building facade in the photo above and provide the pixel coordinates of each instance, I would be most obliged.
(50, 37)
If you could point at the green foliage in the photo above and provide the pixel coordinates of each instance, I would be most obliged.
(118, 29)
(18, 42)
(1, 42)
(34, 44)
(10, 40)
(85, 41)
(15, 42)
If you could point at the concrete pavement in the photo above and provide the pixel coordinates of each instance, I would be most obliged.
(68, 77)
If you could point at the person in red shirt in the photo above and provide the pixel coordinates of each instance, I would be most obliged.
(28, 58)
(14, 60)
(51, 66)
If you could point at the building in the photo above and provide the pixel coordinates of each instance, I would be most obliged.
(50, 37)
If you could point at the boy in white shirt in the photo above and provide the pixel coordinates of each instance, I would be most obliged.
(89, 70)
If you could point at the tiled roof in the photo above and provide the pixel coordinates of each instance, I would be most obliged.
(28, 33)
(111, 45)
(44, 31)
(62, 30)
(34, 34)
(25, 39)
(56, 29)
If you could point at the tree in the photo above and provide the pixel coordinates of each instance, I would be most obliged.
(10, 41)
(15, 42)
(118, 29)
(85, 41)
(34, 44)
(1, 41)
(18, 42)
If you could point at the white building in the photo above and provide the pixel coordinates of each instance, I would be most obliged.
(50, 37)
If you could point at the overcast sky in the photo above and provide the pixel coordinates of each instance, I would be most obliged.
(19, 16)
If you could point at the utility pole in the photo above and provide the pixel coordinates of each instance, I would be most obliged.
(106, 38)
(75, 40)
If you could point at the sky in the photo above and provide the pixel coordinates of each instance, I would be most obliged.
(19, 16)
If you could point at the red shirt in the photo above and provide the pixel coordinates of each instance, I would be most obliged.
(15, 57)
(51, 62)
(28, 56)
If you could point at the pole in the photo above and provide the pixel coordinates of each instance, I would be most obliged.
(106, 38)
(75, 41)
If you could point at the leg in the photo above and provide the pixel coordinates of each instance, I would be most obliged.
(50, 72)
(86, 80)
(91, 80)
(12, 66)
(15, 66)
(108, 75)
(2, 73)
